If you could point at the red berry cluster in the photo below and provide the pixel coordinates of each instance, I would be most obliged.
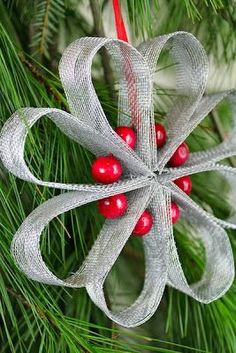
(178, 158)
(108, 169)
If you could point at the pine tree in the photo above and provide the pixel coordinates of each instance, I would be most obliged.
(38, 318)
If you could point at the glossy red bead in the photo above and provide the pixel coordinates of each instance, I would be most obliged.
(106, 169)
(127, 134)
(113, 206)
(144, 224)
(160, 135)
(180, 156)
(175, 213)
(185, 184)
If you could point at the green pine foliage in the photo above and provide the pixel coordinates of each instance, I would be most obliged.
(213, 22)
(48, 15)
(38, 318)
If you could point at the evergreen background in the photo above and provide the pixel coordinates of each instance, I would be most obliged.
(40, 318)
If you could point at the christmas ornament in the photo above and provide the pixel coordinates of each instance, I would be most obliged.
(106, 169)
(147, 180)
(160, 135)
(113, 206)
(174, 212)
(180, 156)
(127, 134)
(144, 224)
(184, 183)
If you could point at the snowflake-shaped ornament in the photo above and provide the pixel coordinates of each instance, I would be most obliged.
(146, 177)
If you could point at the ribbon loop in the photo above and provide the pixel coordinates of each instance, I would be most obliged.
(191, 75)
(134, 77)
(228, 147)
(15, 130)
(26, 249)
(219, 268)
(156, 252)
(229, 175)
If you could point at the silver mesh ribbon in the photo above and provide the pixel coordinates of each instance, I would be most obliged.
(147, 179)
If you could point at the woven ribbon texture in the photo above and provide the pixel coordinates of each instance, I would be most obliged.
(147, 179)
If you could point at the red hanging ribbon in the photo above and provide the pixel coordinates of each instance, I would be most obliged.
(131, 84)
(120, 26)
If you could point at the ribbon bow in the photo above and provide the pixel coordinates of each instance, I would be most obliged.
(147, 179)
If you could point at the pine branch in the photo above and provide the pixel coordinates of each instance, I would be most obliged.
(47, 18)
(42, 42)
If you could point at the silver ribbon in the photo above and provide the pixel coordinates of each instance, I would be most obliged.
(147, 179)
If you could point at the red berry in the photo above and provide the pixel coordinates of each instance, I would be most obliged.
(184, 183)
(160, 135)
(175, 213)
(180, 156)
(106, 169)
(113, 206)
(127, 134)
(144, 224)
